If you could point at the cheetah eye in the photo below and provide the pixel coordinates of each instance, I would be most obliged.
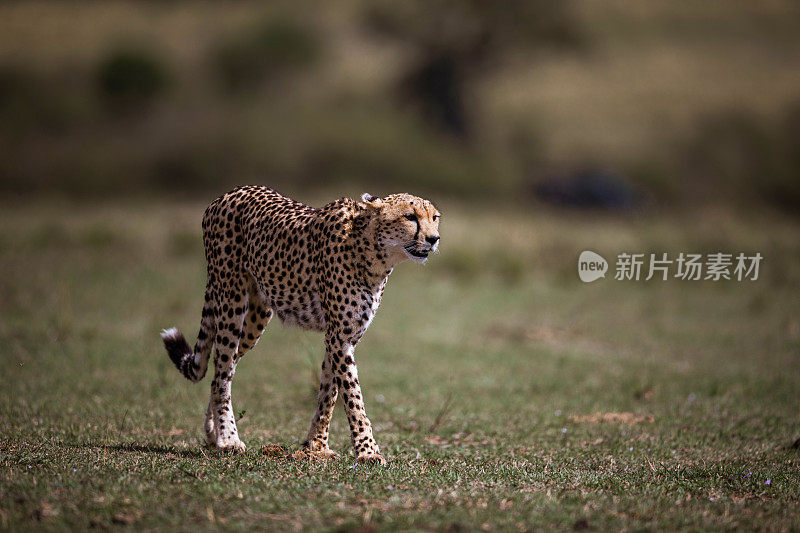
(436, 217)
(412, 217)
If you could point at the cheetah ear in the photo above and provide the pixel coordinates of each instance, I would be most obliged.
(372, 201)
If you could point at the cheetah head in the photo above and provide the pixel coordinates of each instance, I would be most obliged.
(408, 225)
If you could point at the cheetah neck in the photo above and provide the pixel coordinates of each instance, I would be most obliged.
(374, 261)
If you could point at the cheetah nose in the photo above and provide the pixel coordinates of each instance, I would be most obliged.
(433, 239)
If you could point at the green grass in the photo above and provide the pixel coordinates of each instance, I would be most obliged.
(479, 374)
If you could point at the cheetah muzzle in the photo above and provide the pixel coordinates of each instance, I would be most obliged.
(318, 269)
(421, 254)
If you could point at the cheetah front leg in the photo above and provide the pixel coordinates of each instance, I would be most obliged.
(317, 439)
(343, 377)
(346, 375)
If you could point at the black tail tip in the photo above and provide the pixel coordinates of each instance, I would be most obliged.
(176, 345)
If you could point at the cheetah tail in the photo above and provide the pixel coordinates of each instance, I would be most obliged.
(181, 354)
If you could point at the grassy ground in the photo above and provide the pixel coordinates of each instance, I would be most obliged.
(504, 392)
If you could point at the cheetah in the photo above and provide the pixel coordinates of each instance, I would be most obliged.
(322, 270)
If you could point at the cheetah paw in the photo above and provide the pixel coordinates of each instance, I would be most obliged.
(318, 450)
(236, 446)
(327, 453)
(371, 459)
(316, 447)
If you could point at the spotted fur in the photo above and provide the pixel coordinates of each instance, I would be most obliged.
(319, 269)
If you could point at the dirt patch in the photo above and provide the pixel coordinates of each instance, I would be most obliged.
(273, 450)
(613, 418)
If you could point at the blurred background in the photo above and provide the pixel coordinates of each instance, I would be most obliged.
(613, 104)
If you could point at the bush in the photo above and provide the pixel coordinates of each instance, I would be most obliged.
(132, 76)
(271, 49)
(783, 186)
(34, 103)
(454, 41)
(741, 153)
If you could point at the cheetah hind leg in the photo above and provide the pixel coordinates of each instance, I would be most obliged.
(226, 347)
(252, 323)
(208, 428)
(256, 321)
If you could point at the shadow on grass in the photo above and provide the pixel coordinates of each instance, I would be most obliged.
(141, 448)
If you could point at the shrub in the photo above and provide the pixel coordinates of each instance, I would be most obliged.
(131, 75)
(270, 49)
(748, 155)
(453, 41)
(32, 102)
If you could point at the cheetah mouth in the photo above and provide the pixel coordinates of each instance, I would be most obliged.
(419, 254)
